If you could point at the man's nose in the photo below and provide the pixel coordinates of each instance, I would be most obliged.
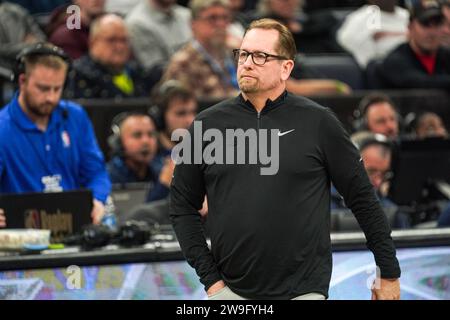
(376, 182)
(53, 96)
(248, 63)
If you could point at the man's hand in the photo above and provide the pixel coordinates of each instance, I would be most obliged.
(204, 210)
(165, 177)
(215, 287)
(387, 289)
(2, 219)
(98, 211)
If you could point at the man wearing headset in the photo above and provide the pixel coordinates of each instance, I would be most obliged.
(48, 144)
(134, 146)
(377, 114)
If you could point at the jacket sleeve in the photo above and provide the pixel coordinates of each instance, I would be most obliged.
(187, 193)
(348, 175)
(93, 172)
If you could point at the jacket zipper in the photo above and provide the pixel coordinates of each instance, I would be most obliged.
(259, 121)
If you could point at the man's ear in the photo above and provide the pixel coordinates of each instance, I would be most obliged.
(22, 79)
(286, 69)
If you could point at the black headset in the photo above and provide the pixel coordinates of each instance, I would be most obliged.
(360, 114)
(161, 97)
(132, 233)
(38, 49)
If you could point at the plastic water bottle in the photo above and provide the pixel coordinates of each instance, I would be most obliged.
(109, 219)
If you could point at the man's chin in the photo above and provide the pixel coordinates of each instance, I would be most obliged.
(248, 89)
(43, 112)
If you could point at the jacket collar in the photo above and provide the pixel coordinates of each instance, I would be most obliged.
(270, 105)
(22, 120)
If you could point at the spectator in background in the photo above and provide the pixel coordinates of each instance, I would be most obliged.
(107, 71)
(205, 65)
(158, 28)
(376, 154)
(428, 125)
(17, 30)
(369, 34)
(377, 113)
(446, 12)
(134, 146)
(74, 41)
(422, 62)
(176, 107)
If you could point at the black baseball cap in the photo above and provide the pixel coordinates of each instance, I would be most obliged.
(425, 11)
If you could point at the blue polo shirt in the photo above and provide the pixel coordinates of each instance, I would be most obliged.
(119, 173)
(64, 157)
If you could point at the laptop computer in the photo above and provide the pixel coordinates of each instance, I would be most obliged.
(343, 219)
(127, 196)
(63, 213)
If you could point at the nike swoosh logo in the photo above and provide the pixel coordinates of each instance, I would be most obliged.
(280, 134)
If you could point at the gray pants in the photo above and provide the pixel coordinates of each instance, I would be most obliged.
(227, 294)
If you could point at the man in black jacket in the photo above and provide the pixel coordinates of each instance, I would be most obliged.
(269, 226)
(422, 62)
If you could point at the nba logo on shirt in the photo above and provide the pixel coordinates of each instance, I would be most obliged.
(66, 139)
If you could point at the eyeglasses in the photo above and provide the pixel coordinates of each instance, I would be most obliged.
(259, 58)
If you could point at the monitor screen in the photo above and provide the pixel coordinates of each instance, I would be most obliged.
(425, 275)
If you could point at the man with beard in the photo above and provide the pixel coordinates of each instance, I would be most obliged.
(422, 62)
(134, 145)
(48, 144)
(205, 65)
(377, 113)
(270, 234)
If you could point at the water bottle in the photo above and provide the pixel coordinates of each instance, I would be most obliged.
(109, 219)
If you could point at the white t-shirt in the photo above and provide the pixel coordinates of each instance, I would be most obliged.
(357, 32)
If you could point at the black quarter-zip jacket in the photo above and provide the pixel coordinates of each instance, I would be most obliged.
(270, 234)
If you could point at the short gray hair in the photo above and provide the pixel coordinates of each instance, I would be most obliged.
(197, 6)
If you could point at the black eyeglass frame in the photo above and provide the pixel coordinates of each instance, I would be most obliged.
(236, 54)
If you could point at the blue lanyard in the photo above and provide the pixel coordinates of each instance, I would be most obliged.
(228, 75)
